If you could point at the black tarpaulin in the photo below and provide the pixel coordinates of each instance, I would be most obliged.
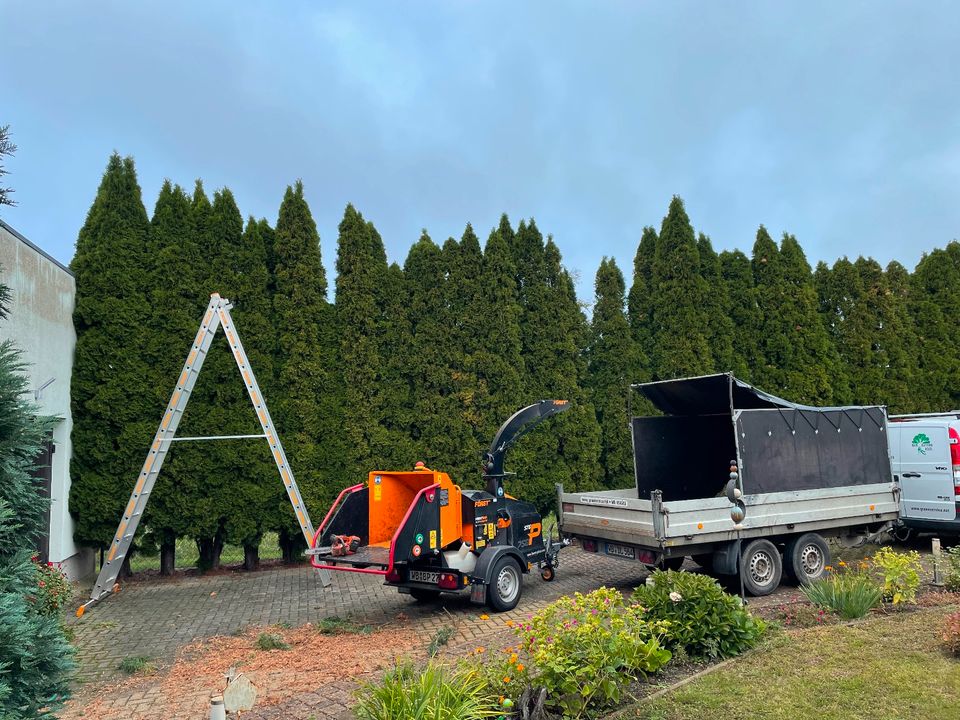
(713, 395)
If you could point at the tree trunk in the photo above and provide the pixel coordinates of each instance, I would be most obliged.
(125, 571)
(168, 555)
(291, 546)
(251, 557)
(217, 550)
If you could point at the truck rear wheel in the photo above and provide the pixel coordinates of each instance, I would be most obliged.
(805, 558)
(761, 568)
(506, 584)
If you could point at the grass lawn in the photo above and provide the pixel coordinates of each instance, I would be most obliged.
(886, 668)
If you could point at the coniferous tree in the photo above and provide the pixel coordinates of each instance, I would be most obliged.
(680, 323)
(610, 357)
(397, 347)
(719, 327)
(799, 360)
(112, 397)
(176, 300)
(35, 659)
(640, 304)
(934, 291)
(498, 361)
(361, 267)
(743, 311)
(308, 406)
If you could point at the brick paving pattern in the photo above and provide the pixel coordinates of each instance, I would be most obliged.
(157, 617)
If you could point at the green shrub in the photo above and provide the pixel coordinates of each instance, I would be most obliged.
(432, 693)
(504, 675)
(952, 574)
(951, 634)
(53, 589)
(586, 648)
(901, 574)
(271, 641)
(703, 619)
(440, 638)
(849, 593)
(338, 626)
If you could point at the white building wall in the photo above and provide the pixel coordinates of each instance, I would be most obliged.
(40, 323)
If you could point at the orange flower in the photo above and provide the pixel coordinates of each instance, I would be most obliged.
(828, 568)
(480, 650)
(506, 679)
(510, 623)
(520, 667)
(484, 617)
(513, 658)
(842, 563)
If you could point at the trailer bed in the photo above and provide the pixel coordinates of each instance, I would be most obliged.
(621, 517)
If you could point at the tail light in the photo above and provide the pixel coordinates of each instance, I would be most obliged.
(955, 460)
(589, 545)
(448, 581)
(393, 576)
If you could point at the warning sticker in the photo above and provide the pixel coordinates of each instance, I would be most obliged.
(433, 538)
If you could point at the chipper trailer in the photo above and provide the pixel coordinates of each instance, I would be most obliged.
(426, 535)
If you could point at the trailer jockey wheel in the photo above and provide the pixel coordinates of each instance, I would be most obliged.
(548, 574)
(506, 584)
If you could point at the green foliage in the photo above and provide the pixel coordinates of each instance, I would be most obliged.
(504, 675)
(53, 589)
(271, 641)
(950, 634)
(112, 395)
(137, 664)
(934, 290)
(7, 147)
(640, 304)
(680, 338)
(440, 638)
(611, 359)
(35, 659)
(952, 574)
(743, 311)
(586, 648)
(901, 574)
(849, 592)
(431, 693)
(701, 618)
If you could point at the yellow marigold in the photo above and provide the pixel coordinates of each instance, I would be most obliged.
(842, 563)
(484, 617)
(510, 623)
(480, 650)
(828, 568)
(513, 658)
(506, 679)
(520, 667)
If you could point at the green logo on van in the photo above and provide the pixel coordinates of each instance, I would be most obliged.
(922, 443)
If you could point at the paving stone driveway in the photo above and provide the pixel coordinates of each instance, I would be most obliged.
(155, 617)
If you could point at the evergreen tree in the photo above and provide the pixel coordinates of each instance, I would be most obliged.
(719, 327)
(680, 322)
(799, 360)
(35, 659)
(7, 147)
(743, 311)
(610, 363)
(934, 292)
(361, 269)
(498, 361)
(307, 413)
(112, 396)
(640, 305)
(397, 348)
(176, 301)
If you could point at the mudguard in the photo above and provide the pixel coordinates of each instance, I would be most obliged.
(485, 563)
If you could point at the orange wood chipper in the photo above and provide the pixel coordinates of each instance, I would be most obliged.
(426, 536)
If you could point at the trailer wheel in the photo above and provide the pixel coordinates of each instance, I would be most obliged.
(424, 595)
(506, 584)
(548, 574)
(805, 558)
(761, 568)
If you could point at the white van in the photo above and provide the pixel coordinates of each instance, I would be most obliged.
(925, 453)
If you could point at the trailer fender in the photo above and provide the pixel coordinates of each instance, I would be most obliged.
(726, 558)
(488, 558)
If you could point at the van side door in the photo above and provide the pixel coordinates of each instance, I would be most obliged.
(926, 475)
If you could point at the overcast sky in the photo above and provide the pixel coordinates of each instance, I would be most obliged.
(836, 121)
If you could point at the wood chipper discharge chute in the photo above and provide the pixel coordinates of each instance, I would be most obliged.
(426, 535)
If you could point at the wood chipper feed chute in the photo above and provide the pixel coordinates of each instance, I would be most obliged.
(391, 495)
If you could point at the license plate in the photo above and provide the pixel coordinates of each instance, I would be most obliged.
(624, 551)
(422, 576)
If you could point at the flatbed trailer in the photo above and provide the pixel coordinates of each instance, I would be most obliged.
(742, 482)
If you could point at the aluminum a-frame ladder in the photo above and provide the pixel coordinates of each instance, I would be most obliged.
(217, 315)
